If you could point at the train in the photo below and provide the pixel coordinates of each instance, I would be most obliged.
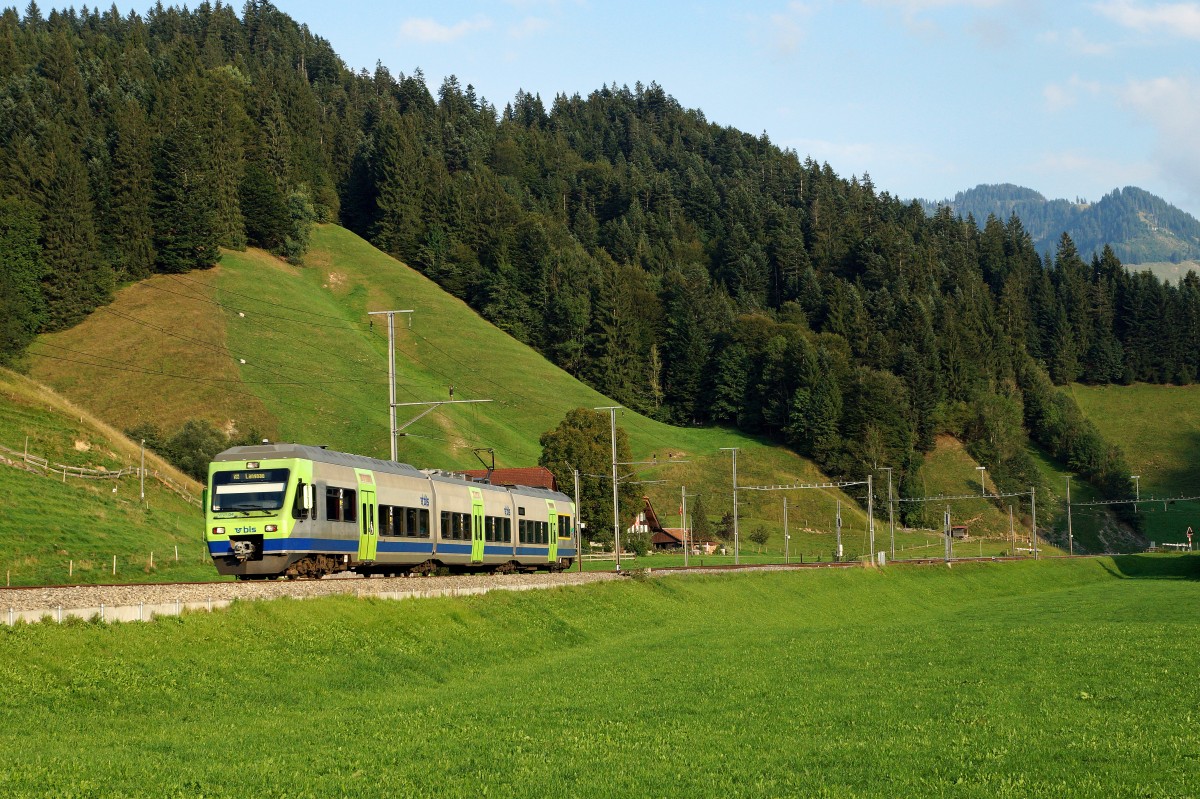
(276, 510)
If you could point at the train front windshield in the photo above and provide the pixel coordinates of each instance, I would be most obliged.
(262, 490)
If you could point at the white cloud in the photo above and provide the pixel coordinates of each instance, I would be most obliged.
(429, 31)
(914, 7)
(1178, 19)
(990, 29)
(1171, 106)
(528, 27)
(1061, 96)
(789, 28)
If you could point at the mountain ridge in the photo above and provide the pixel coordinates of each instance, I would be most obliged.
(1141, 227)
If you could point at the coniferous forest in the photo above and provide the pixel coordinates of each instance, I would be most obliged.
(690, 271)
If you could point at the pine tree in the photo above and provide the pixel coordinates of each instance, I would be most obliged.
(396, 173)
(128, 228)
(185, 236)
(76, 280)
(266, 219)
(21, 270)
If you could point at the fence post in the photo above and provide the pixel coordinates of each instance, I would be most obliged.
(114, 565)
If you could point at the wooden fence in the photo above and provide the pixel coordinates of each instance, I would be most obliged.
(43, 466)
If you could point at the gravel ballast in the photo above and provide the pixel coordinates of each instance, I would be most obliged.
(66, 598)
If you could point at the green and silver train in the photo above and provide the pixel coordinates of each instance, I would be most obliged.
(291, 510)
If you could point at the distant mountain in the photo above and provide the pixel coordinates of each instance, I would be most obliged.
(1140, 227)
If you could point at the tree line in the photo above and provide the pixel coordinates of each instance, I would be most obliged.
(692, 272)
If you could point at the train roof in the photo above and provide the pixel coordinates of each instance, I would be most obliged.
(318, 454)
(323, 455)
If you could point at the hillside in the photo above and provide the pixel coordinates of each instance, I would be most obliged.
(60, 529)
(1140, 227)
(1159, 428)
(172, 348)
(290, 352)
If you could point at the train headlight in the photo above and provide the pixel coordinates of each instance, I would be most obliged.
(271, 528)
(218, 531)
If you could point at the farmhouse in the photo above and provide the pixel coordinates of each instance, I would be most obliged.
(666, 538)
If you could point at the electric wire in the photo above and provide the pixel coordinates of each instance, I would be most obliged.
(202, 380)
(214, 287)
(346, 324)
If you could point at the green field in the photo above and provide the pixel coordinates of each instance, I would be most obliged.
(1052, 679)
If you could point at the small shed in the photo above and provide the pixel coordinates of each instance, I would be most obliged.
(958, 531)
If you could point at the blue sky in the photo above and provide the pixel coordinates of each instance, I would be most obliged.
(930, 97)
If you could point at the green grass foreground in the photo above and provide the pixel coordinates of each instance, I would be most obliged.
(1055, 679)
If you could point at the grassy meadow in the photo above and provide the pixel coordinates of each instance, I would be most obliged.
(1050, 679)
(1158, 427)
(56, 531)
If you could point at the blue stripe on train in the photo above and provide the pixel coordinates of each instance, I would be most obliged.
(219, 549)
(405, 546)
(276, 545)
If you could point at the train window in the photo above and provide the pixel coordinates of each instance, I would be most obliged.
(423, 530)
(385, 520)
(543, 532)
(445, 524)
(521, 530)
(349, 505)
(564, 526)
(333, 504)
(298, 512)
(507, 529)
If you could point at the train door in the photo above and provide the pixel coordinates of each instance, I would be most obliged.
(476, 526)
(368, 538)
(552, 554)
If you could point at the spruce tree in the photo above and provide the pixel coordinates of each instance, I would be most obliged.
(76, 280)
(128, 228)
(264, 211)
(185, 235)
(21, 270)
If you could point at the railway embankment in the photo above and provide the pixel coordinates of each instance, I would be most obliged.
(143, 602)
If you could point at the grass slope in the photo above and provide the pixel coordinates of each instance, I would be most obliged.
(315, 370)
(1158, 427)
(291, 352)
(49, 523)
(1051, 679)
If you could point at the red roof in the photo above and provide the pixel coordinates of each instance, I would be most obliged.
(532, 476)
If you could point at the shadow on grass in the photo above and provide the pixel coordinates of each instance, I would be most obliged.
(1155, 567)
